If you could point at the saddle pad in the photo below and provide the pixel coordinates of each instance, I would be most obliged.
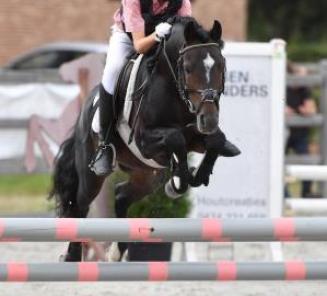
(128, 104)
(123, 126)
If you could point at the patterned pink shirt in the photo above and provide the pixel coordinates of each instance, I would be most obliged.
(132, 16)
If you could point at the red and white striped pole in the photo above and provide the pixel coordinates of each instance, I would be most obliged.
(163, 230)
(161, 271)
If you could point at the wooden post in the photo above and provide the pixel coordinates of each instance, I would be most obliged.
(84, 83)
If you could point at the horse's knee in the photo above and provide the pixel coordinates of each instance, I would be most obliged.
(175, 141)
(215, 142)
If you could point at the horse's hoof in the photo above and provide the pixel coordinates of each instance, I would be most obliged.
(69, 258)
(170, 191)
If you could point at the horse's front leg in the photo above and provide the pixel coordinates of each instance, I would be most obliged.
(171, 142)
(213, 147)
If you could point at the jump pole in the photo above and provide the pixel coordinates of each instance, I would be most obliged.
(307, 172)
(307, 205)
(163, 230)
(162, 271)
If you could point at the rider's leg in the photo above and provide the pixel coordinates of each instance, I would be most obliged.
(120, 47)
(104, 160)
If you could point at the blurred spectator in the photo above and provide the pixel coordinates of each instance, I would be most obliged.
(299, 102)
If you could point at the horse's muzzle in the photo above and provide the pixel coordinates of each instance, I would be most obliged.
(207, 124)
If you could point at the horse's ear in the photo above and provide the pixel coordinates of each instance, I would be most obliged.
(216, 31)
(190, 33)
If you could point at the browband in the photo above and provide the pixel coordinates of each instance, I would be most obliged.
(187, 48)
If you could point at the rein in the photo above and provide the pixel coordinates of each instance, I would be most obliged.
(207, 95)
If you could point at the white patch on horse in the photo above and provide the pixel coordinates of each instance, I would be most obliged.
(208, 64)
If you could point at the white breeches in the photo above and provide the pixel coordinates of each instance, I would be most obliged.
(120, 47)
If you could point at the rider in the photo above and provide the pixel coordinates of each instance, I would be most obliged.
(139, 25)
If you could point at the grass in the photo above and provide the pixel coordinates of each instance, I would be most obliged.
(24, 194)
(28, 193)
(24, 204)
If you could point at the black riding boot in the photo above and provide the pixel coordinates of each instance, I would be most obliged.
(103, 162)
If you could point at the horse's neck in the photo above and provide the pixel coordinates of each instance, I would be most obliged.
(163, 93)
(169, 55)
(174, 45)
(164, 106)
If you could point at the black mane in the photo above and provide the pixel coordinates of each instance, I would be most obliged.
(202, 34)
(175, 41)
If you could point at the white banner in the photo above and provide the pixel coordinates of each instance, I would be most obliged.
(22, 101)
(252, 117)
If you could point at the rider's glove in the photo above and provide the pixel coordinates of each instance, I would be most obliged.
(162, 30)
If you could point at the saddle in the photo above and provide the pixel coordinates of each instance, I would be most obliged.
(127, 100)
(120, 95)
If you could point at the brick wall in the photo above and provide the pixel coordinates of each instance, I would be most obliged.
(29, 23)
(231, 13)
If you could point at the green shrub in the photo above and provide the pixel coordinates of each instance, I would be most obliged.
(159, 205)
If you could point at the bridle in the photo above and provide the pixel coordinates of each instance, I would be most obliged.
(207, 95)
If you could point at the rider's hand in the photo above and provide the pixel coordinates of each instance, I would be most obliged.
(162, 30)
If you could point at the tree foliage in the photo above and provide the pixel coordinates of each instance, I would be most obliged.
(292, 20)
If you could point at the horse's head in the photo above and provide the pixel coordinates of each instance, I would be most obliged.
(201, 72)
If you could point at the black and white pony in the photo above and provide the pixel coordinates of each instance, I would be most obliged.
(175, 111)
